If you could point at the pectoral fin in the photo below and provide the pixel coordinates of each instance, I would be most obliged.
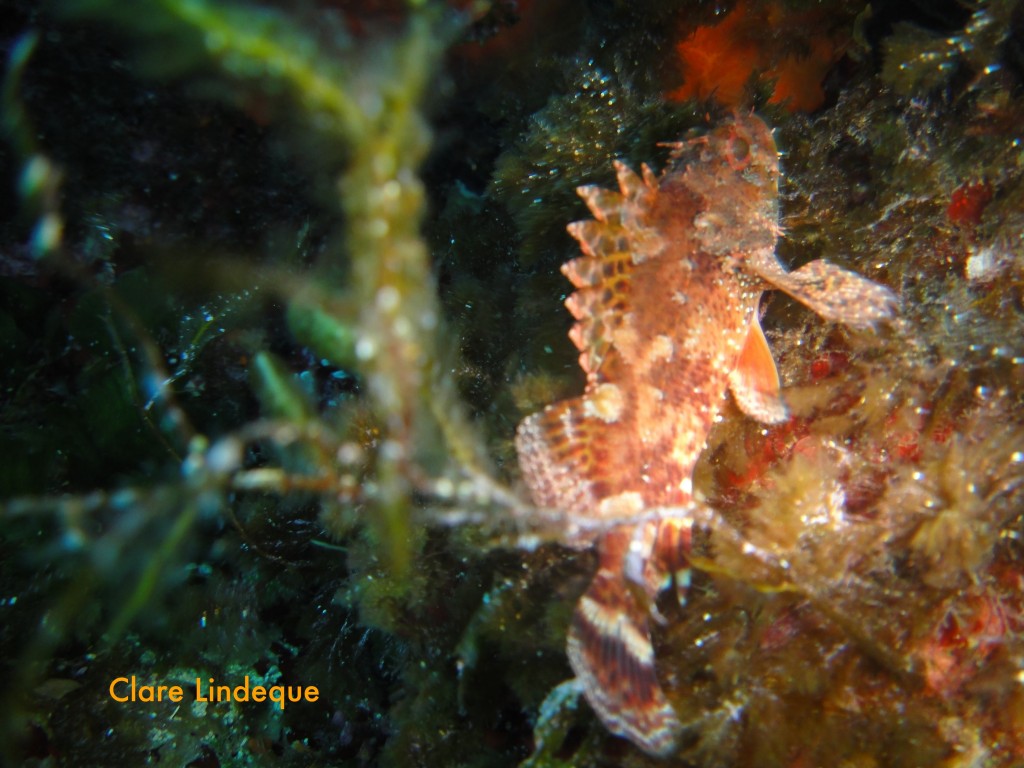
(754, 381)
(833, 292)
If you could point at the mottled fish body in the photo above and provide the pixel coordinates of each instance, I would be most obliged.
(666, 300)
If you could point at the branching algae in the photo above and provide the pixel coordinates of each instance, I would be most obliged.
(379, 317)
(232, 301)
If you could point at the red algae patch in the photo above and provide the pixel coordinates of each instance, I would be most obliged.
(720, 61)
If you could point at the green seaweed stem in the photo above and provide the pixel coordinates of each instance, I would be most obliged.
(370, 99)
(386, 315)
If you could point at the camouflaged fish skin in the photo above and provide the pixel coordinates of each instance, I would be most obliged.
(666, 299)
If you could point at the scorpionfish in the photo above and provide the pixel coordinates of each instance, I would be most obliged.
(666, 309)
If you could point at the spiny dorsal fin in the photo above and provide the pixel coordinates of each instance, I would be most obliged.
(599, 304)
(613, 242)
(554, 448)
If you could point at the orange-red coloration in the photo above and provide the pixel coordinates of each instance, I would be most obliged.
(719, 60)
(960, 646)
(666, 302)
(968, 203)
(763, 450)
(829, 364)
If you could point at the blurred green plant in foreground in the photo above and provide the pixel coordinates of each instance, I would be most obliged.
(365, 306)
(267, 335)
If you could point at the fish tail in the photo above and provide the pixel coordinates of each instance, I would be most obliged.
(611, 652)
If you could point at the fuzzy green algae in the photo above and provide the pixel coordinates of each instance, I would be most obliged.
(279, 331)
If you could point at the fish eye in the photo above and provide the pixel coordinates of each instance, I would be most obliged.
(740, 149)
(737, 152)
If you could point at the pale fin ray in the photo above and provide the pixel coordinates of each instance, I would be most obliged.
(604, 204)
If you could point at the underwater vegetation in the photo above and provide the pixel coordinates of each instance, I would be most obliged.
(280, 280)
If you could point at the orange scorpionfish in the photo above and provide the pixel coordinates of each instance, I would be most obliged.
(666, 308)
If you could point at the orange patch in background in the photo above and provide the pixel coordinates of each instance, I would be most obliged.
(719, 60)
